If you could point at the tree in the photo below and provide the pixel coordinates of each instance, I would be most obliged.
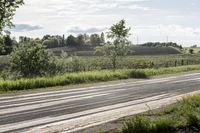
(95, 40)
(31, 59)
(71, 41)
(7, 11)
(118, 48)
(80, 40)
(7, 44)
(191, 51)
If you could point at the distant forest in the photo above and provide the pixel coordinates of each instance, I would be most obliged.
(7, 43)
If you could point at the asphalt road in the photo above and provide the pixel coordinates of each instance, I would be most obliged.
(23, 113)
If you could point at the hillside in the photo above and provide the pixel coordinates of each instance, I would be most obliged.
(133, 50)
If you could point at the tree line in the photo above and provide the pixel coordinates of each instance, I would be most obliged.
(7, 43)
(158, 44)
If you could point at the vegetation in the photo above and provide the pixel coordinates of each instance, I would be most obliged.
(184, 116)
(7, 10)
(31, 59)
(87, 77)
(158, 44)
(119, 33)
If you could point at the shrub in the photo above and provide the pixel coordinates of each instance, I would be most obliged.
(138, 124)
(31, 59)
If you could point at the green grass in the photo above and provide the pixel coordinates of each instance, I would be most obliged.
(196, 50)
(92, 63)
(88, 77)
(182, 116)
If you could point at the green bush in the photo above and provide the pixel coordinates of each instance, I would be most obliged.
(31, 59)
(138, 124)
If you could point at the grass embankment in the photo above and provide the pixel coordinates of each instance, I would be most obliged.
(88, 77)
(182, 117)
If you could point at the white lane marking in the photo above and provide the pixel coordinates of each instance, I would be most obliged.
(86, 89)
(68, 116)
(76, 124)
(28, 107)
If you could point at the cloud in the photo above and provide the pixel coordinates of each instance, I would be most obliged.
(86, 30)
(25, 27)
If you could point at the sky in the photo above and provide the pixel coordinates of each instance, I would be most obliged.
(150, 20)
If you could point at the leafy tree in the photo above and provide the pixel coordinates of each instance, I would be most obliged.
(80, 40)
(51, 42)
(191, 51)
(31, 59)
(118, 48)
(71, 41)
(2, 50)
(95, 40)
(24, 39)
(7, 44)
(7, 11)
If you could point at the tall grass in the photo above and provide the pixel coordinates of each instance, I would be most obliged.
(87, 77)
(182, 117)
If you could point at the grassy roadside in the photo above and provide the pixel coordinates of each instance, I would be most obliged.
(89, 77)
(181, 117)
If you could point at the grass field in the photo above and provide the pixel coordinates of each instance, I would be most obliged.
(88, 77)
(91, 63)
(196, 50)
(95, 63)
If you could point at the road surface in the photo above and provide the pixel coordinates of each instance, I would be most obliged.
(71, 110)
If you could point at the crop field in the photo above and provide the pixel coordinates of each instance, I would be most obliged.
(133, 50)
(90, 63)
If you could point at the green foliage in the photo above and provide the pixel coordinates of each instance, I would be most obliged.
(184, 116)
(119, 33)
(7, 44)
(191, 51)
(95, 40)
(87, 77)
(158, 44)
(71, 41)
(7, 11)
(31, 59)
(137, 125)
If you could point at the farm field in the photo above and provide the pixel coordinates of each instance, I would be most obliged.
(133, 50)
(91, 63)
(88, 63)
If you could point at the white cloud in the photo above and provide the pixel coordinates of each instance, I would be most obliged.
(149, 22)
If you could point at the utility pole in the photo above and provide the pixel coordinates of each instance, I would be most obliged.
(137, 40)
(167, 39)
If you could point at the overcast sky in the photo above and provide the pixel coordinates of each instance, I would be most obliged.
(150, 20)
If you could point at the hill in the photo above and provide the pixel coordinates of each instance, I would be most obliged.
(133, 50)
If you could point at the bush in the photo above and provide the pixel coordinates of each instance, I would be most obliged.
(31, 59)
(137, 125)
